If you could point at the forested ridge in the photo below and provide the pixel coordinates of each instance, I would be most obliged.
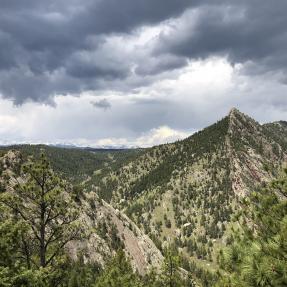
(213, 204)
(76, 164)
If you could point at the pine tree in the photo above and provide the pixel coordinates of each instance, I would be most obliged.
(258, 257)
(118, 273)
(42, 201)
(170, 270)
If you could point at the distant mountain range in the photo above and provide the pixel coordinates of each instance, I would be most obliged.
(71, 146)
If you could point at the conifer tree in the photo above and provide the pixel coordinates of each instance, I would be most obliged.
(258, 257)
(118, 273)
(41, 201)
(170, 270)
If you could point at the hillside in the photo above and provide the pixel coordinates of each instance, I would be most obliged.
(188, 191)
(103, 229)
(77, 164)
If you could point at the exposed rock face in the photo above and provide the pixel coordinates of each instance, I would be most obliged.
(138, 246)
(253, 152)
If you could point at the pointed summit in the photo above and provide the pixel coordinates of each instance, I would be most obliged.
(233, 111)
(235, 116)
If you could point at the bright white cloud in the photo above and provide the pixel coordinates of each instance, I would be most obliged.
(160, 135)
(156, 136)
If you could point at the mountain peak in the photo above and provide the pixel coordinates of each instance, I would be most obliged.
(234, 111)
(236, 117)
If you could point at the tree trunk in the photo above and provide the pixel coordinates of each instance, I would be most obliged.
(26, 252)
(42, 237)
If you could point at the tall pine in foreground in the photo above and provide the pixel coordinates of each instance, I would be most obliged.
(39, 218)
(258, 257)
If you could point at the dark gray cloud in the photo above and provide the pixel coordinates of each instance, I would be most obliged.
(156, 65)
(58, 46)
(242, 30)
(59, 26)
(41, 37)
(102, 104)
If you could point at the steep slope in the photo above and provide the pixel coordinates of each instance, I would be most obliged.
(278, 131)
(106, 230)
(256, 152)
(186, 197)
(187, 191)
(103, 229)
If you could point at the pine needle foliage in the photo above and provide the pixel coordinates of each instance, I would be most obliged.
(258, 257)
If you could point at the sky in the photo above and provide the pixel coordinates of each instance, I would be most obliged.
(137, 72)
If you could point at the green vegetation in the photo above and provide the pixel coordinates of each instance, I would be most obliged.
(258, 256)
(188, 191)
(76, 164)
(119, 273)
(187, 196)
(80, 166)
(39, 217)
(183, 195)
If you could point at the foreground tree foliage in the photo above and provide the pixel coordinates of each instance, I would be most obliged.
(81, 274)
(258, 257)
(38, 219)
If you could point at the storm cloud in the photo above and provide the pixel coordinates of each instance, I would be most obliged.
(44, 42)
(64, 47)
(102, 104)
(166, 67)
(244, 31)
